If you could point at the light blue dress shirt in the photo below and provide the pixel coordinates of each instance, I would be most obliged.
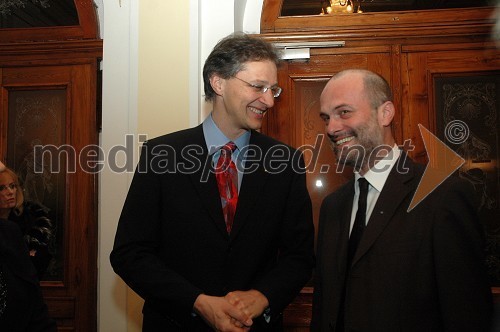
(216, 139)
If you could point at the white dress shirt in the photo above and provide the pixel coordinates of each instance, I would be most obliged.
(376, 177)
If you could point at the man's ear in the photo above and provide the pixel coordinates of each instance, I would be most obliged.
(217, 84)
(386, 113)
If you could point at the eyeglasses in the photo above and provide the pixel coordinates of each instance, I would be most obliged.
(275, 90)
(11, 186)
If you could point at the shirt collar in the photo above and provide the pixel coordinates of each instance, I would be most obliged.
(378, 174)
(215, 138)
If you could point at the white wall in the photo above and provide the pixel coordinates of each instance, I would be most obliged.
(239, 15)
(119, 117)
(153, 56)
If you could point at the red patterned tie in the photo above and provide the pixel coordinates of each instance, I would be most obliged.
(227, 181)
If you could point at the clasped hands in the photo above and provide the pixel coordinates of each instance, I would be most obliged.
(233, 312)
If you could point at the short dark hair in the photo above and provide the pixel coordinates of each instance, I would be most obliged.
(377, 89)
(231, 53)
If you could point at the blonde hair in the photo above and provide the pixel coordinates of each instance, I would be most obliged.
(18, 209)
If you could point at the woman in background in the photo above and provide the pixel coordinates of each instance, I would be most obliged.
(31, 218)
(22, 308)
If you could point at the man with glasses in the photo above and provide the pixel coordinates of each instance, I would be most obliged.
(216, 232)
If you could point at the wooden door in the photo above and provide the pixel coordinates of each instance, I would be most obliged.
(49, 120)
(295, 120)
(49, 136)
(423, 66)
(454, 91)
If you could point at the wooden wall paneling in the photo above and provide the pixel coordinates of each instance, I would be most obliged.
(310, 133)
(308, 80)
(395, 82)
(297, 317)
(88, 18)
(380, 24)
(417, 111)
(72, 299)
(63, 58)
(3, 117)
(421, 63)
(83, 212)
(409, 49)
(277, 118)
(323, 63)
(86, 29)
(271, 10)
(404, 105)
(295, 120)
(40, 79)
(53, 52)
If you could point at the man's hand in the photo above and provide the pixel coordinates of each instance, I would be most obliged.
(251, 302)
(222, 315)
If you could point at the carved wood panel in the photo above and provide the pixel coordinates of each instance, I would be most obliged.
(456, 95)
(295, 120)
(36, 118)
(48, 95)
(47, 118)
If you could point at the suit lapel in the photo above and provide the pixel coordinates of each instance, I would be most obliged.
(206, 185)
(345, 205)
(254, 178)
(387, 204)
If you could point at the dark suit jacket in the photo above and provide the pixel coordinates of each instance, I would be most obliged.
(416, 271)
(171, 244)
(25, 309)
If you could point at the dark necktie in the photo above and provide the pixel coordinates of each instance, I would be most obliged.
(227, 181)
(359, 221)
